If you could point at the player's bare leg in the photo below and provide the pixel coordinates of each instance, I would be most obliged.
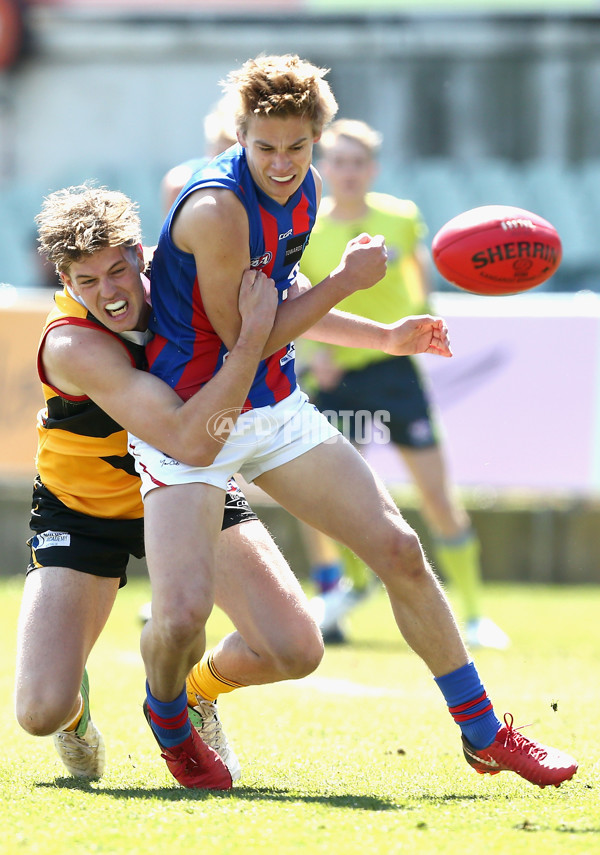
(177, 519)
(441, 509)
(182, 524)
(457, 548)
(63, 612)
(364, 518)
(277, 639)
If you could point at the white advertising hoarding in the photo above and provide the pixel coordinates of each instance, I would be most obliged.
(519, 402)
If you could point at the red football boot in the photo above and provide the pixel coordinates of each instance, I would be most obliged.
(193, 763)
(513, 752)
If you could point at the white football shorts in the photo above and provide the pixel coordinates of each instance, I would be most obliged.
(260, 440)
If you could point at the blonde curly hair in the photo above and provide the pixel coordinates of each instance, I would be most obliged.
(280, 86)
(78, 221)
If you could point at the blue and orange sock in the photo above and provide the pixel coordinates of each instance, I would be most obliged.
(469, 705)
(169, 721)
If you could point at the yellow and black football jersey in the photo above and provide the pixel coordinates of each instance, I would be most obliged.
(82, 453)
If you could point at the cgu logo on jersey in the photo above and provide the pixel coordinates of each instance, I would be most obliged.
(261, 261)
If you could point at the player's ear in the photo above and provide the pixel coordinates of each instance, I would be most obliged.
(241, 138)
(139, 250)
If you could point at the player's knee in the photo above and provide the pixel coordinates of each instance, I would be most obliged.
(42, 716)
(308, 656)
(403, 555)
(301, 654)
(178, 626)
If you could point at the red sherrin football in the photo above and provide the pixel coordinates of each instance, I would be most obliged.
(497, 249)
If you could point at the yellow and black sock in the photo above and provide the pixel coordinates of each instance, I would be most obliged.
(71, 725)
(205, 680)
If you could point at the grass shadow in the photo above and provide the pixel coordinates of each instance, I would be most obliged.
(267, 794)
(255, 794)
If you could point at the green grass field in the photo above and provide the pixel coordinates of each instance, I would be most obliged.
(361, 757)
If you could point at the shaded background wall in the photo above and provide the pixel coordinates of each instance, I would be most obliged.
(473, 108)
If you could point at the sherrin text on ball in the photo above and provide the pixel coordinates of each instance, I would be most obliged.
(497, 249)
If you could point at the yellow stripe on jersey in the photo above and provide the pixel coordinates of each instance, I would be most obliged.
(82, 453)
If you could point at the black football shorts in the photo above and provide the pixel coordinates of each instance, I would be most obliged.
(393, 392)
(67, 538)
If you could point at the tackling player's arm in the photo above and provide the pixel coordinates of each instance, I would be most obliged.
(85, 361)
